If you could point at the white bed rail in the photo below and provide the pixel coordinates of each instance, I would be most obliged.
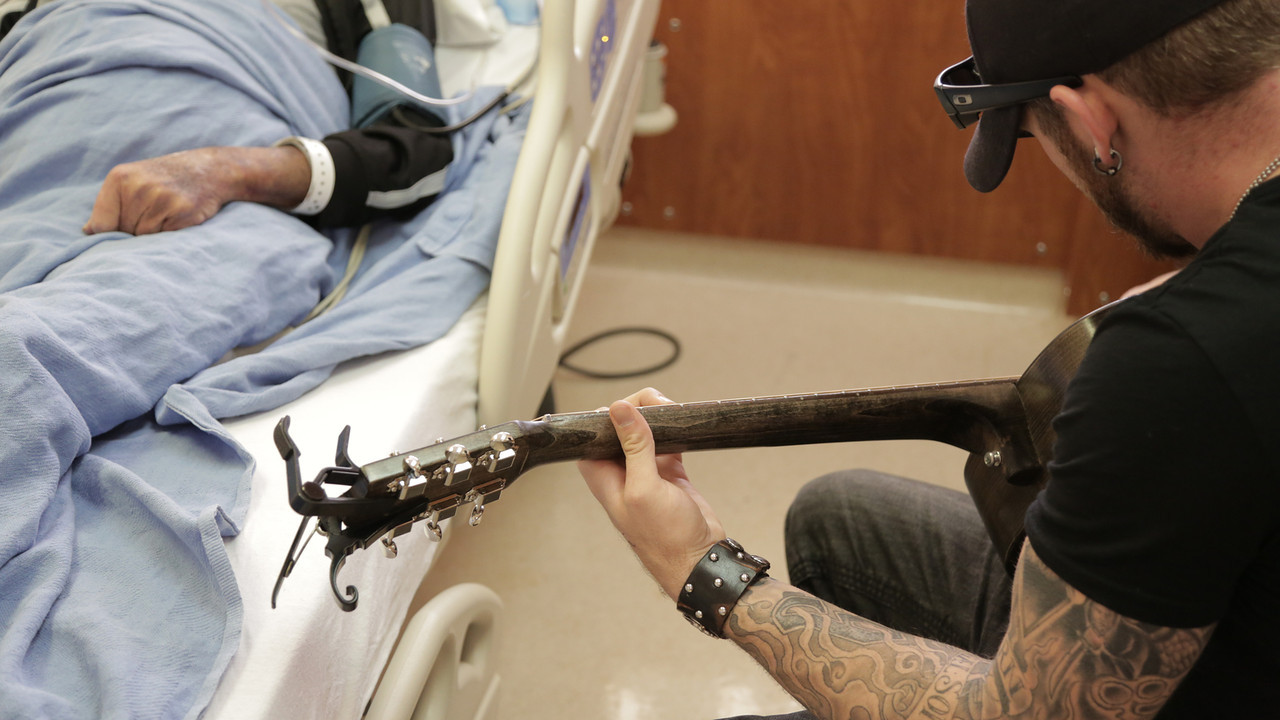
(445, 667)
(566, 190)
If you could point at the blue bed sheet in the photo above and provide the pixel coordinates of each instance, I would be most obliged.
(119, 485)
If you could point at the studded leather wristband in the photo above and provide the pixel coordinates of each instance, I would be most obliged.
(717, 583)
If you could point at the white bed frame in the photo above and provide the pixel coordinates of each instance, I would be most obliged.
(308, 658)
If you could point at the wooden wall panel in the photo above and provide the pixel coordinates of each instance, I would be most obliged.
(815, 121)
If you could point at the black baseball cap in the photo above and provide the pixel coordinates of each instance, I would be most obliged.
(1022, 48)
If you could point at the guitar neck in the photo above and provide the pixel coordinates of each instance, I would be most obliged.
(963, 414)
(1008, 442)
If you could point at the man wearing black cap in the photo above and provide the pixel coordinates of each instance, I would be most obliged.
(1149, 582)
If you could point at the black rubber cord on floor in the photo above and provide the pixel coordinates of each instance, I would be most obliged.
(623, 374)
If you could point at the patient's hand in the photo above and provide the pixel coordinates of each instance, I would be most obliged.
(186, 188)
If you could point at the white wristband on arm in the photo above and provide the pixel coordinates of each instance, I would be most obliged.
(323, 175)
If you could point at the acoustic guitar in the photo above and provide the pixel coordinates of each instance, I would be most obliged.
(1005, 424)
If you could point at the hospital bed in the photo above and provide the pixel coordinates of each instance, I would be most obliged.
(306, 657)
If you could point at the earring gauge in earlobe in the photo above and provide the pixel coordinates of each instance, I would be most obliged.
(1108, 171)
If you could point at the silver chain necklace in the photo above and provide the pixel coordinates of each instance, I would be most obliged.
(1266, 173)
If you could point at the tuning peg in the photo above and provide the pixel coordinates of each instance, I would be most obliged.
(432, 526)
(501, 452)
(458, 467)
(413, 472)
(390, 546)
(413, 465)
(457, 454)
(477, 511)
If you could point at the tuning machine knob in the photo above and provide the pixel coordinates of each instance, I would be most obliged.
(388, 540)
(457, 465)
(501, 454)
(412, 483)
(457, 454)
(431, 527)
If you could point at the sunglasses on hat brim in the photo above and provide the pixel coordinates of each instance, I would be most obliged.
(964, 96)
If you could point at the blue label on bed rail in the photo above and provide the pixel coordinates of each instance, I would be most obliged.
(602, 46)
(580, 211)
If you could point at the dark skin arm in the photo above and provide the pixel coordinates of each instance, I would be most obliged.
(1065, 656)
(187, 188)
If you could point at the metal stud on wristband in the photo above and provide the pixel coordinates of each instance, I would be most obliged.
(717, 583)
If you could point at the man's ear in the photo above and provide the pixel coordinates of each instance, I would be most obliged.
(1089, 112)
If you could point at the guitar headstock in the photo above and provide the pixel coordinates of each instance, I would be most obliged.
(355, 506)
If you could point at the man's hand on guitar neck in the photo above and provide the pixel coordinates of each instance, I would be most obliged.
(649, 498)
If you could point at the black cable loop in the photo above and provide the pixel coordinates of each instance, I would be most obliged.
(625, 374)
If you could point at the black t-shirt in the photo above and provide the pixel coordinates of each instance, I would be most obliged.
(1164, 498)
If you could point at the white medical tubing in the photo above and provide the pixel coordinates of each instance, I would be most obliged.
(362, 71)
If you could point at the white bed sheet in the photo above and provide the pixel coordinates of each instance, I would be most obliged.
(307, 658)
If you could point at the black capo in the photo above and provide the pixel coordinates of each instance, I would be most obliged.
(350, 521)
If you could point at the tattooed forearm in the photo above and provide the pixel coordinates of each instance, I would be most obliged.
(838, 664)
(1064, 656)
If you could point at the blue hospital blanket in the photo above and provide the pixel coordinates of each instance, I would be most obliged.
(119, 484)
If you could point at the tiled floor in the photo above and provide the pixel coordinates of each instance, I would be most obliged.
(587, 633)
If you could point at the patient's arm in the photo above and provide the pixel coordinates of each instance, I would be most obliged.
(187, 188)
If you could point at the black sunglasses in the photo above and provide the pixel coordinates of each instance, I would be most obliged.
(964, 96)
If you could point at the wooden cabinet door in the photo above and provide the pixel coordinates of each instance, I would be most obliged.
(815, 122)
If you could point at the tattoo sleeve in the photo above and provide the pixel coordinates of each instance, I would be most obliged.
(1064, 656)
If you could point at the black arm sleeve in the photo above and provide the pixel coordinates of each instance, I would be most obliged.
(385, 169)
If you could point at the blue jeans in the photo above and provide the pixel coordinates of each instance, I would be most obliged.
(912, 556)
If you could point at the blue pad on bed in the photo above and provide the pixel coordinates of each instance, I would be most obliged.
(404, 55)
(520, 12)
